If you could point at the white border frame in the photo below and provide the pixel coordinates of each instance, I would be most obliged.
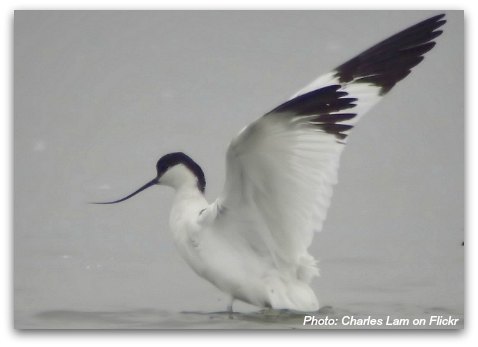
(369, 338)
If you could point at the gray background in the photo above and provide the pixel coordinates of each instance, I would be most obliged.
(100, 96)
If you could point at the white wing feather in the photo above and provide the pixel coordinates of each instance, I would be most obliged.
(281, 172)
(281, 168)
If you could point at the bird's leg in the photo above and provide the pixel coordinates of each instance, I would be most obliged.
(229, 307)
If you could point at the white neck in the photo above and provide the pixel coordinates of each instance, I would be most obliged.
(188, 200)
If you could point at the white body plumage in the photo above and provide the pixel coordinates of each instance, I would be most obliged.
(221, 252)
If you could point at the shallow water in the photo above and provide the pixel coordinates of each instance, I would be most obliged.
(351, 289)
(355, 289)
(264, 319)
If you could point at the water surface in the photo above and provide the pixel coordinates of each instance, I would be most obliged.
(263, 319)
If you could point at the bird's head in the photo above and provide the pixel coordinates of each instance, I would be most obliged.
(175, 170)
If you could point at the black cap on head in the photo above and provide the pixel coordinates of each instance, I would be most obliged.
(172, 159)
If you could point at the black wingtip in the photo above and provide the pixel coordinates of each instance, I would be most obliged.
(392, 59)
(435, 18)
(438, 17)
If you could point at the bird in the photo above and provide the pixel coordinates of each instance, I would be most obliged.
(252, 241)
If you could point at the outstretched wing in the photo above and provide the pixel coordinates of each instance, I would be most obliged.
(282, 167)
